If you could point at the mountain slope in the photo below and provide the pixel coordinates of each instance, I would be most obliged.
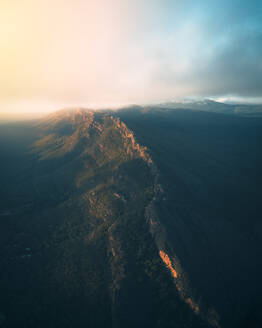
(132, 218)
(75, 247)
(209, 167)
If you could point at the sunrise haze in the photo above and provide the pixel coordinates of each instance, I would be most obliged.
(57, 53)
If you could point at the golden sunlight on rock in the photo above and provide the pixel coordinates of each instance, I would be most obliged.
(168, 263)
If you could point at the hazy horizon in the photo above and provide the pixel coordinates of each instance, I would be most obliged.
(57, 54)
(38, 111)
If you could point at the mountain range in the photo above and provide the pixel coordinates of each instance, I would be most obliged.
(146, 216)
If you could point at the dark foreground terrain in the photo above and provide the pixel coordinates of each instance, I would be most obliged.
(144, 217)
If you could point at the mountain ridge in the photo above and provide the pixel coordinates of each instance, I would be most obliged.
(110, 206)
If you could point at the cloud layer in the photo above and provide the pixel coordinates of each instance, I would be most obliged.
(123, 51)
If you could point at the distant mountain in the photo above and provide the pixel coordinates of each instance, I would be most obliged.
(142, 217)
(212, 106)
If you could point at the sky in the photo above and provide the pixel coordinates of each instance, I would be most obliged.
(107, 53)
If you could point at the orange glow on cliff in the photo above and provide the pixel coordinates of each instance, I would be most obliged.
(168, 263)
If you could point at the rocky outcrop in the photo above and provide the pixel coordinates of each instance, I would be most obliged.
(165, 258)
(132, 145)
